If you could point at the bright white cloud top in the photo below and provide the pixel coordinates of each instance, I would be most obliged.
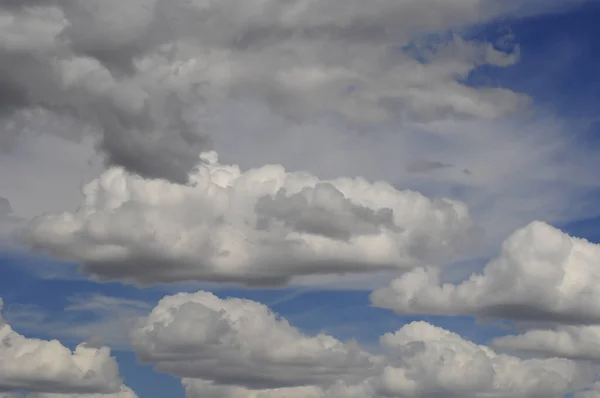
(48, 367)
(261, 226)
(237, 348)
(541, 274)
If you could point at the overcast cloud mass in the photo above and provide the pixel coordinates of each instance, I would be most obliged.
(170, 150)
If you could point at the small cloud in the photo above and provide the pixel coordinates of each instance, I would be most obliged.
(5, 207)
(424, 166)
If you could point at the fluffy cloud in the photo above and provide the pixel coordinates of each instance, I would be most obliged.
(542, 274)
(432, 360)
(240, 341)
(261, 226)
(195, 388)
(49, 367)
(236, 348)
(579, 342)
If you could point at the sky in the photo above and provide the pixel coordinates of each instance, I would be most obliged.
(299, 199)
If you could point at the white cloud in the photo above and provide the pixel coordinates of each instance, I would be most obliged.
(195, 388)
(432, 360)
(578, 342)
(237, 349)
(157, 88)
(235, 340)
(542, 274)
(49, 367)
(124, 392)
(261, 226)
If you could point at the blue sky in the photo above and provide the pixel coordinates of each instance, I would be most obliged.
(557, 68)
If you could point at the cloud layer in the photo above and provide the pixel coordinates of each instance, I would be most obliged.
(145, 75)
(237, 348)
(261, 226)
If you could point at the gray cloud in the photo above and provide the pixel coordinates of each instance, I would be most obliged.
(239, 349)
(141, 72)
(5, 207)
(423, 166)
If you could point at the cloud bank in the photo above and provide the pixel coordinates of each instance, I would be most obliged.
(237, 348)
(261, 226)
(47, 367)
(138, 73)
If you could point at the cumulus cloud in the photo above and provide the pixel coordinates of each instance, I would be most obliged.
(124, 392)
(49, 367)
(430, 361)
(260, 226)
(9, 222)
(542, 274)
(236, 348)
(240, 341)
(577, 342)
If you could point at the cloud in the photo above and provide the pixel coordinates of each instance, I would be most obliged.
(261, 226)
(49, 367)
(593, 392)
(195, 388)
(236, 341)
(434, 362)
(5, 207)
(145, 75)
(542, 274)
(107, 320)
(124, 392)
(239, 349)
(305, 85)
(577, 342)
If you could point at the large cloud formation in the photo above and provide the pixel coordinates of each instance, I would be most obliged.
(237, 348)
(542, 274)
(201, 336)
(261, 226)
(48, 367)
(146, 74)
